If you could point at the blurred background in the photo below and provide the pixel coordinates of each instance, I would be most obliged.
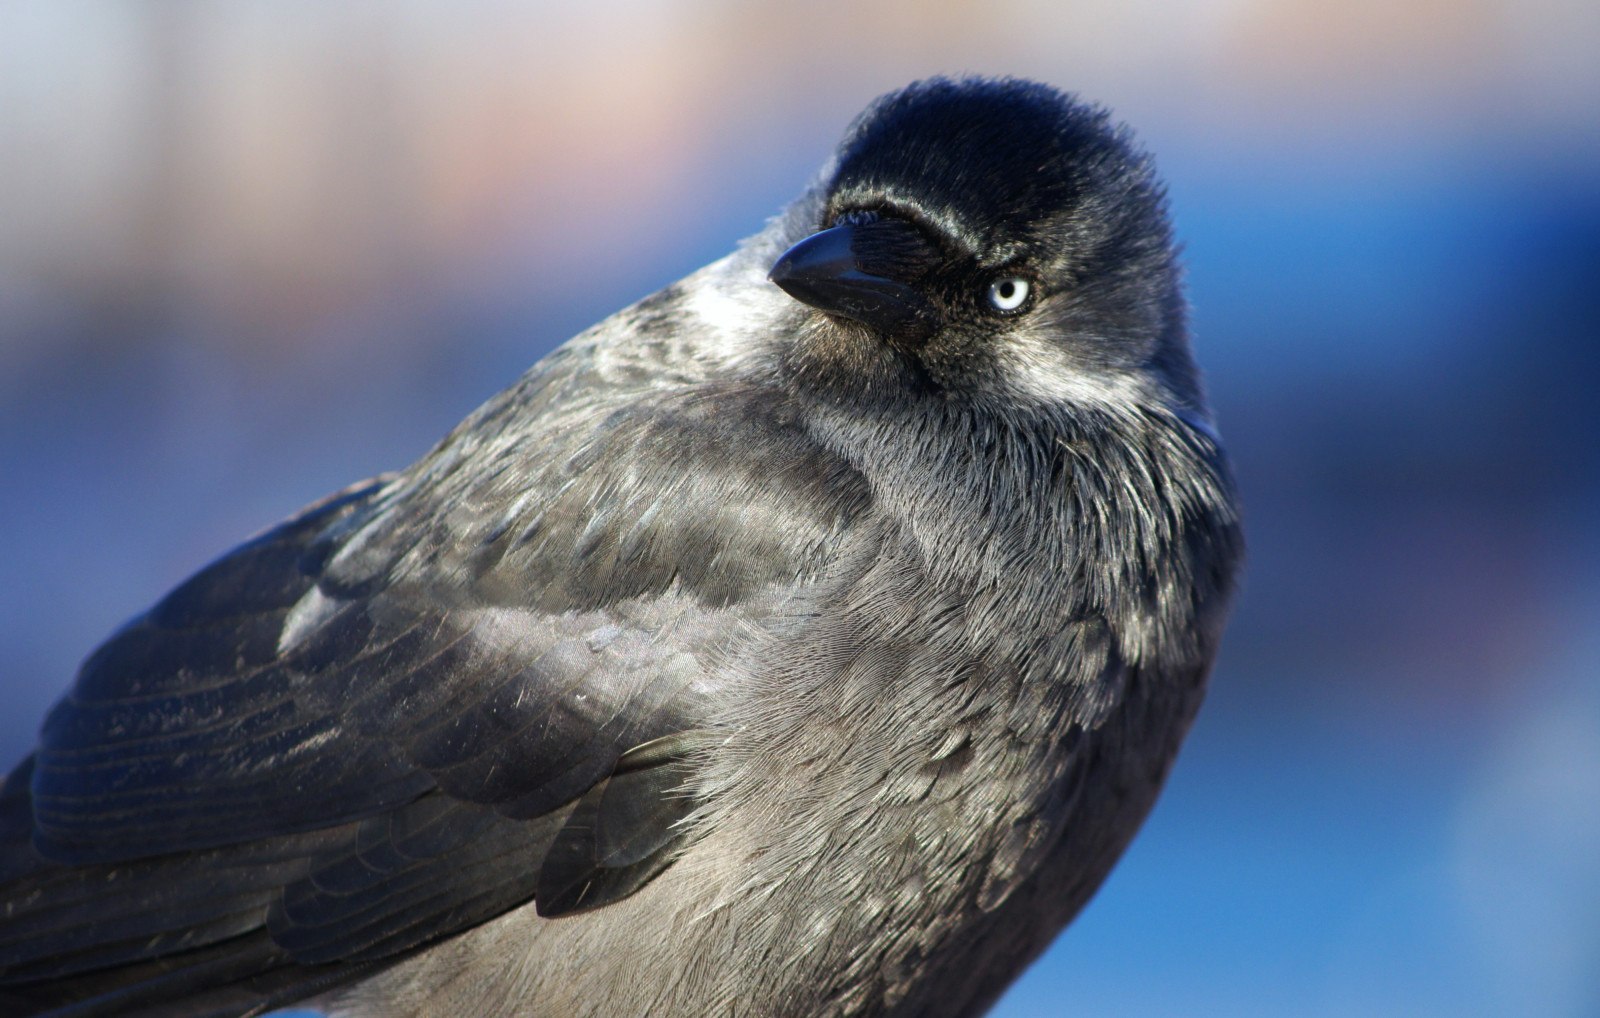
(251, 251)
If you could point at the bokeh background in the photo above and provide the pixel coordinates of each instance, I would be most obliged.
(252, 250)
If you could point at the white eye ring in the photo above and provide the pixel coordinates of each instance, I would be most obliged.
(1009, 293)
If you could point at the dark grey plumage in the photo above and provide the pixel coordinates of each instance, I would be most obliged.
(755, 653)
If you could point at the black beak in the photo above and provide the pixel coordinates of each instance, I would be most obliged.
(824, 271)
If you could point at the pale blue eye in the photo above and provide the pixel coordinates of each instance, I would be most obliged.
(1009, 293)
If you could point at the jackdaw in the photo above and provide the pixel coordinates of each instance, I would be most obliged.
(808, 638)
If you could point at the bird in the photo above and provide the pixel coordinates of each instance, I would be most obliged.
(808, 638)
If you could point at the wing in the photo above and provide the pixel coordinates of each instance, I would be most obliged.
(414, 706)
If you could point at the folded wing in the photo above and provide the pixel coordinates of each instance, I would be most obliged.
(416, 705)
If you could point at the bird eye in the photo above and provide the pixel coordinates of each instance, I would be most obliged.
(1009, 293)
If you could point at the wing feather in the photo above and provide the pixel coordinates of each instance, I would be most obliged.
(402, 712)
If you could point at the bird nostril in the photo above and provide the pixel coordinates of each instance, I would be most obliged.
(896, 248)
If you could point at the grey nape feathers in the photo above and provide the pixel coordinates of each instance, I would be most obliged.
(807, 639)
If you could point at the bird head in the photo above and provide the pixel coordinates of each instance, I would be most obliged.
(995, 238)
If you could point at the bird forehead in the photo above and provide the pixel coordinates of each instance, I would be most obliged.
(985, 160)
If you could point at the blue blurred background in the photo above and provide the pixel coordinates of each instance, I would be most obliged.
(252, 251)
